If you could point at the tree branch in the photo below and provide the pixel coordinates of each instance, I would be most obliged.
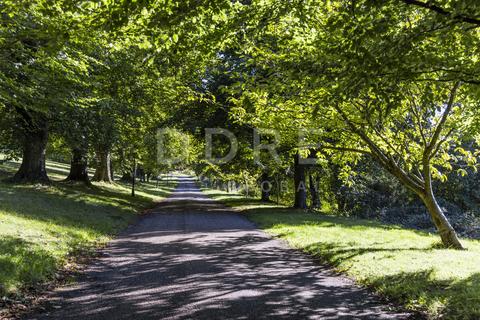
(437, 148)
(419, 121)
(440, 10)
(346, 149)
(387, 162)
(443, 119)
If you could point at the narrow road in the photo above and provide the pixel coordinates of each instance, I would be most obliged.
(194, 259)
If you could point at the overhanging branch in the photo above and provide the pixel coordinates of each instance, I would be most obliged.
(345, 149)
(436, 134)
(442, 11)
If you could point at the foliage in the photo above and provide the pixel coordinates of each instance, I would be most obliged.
(395, 82)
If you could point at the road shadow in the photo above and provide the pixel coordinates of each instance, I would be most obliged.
(195, 259)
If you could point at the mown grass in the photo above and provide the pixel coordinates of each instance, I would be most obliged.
(400, 264)
(41, 227)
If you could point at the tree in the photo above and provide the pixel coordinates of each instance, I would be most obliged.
(37, 72)
(370, 77)
(410, 154)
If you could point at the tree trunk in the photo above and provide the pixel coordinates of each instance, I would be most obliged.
(314, 194)
(245, 181)
(140, 174)
(35, 139)
(102, 171)
(78, 167)
(134, 175)
(111, 170)
(299, 183)
(265, 186)
(444, 228)
(278, 188)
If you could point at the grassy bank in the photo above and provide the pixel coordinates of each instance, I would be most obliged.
(400, 264)
(42, 227)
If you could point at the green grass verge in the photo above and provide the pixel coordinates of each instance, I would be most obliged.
(41, 227)
(401, 264)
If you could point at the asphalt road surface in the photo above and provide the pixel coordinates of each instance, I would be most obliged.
(194, 259)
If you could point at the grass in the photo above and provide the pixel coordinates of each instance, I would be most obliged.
(42, 227)
(400, 264)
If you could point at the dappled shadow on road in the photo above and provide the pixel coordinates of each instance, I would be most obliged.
(192, 259)
(231, 274)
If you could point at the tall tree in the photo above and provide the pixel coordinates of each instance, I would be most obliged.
(36, 74)
(393, 82)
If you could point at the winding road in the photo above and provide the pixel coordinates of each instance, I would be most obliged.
(192, 258)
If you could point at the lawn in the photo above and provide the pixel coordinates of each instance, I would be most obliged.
(400, 264)
(43, 227)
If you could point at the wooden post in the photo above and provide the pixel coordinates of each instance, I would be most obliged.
(133, 176)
